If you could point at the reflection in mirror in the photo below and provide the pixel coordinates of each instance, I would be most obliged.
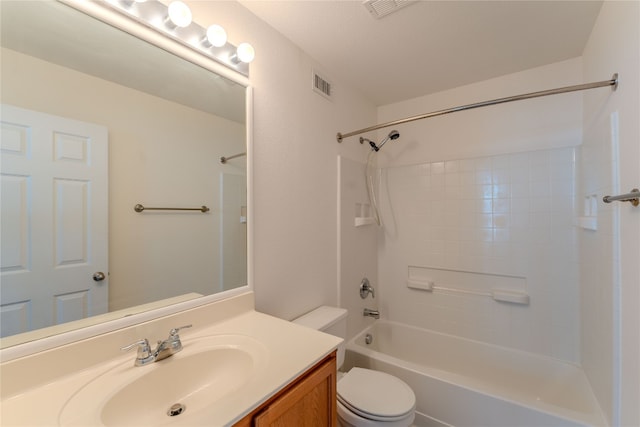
(95, 121)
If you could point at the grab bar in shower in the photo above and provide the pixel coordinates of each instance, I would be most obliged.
(225, 159)
(140, 208)
(633, 197)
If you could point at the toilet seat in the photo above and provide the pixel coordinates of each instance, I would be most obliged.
(376, 395)
(346, 418)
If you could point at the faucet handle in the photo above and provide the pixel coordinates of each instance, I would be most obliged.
(173, 343)
(144, 351)
(174, 332)
(366, 289)
(143, 346)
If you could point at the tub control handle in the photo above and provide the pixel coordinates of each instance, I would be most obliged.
(366, 289)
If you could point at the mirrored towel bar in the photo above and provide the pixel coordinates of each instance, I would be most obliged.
(140, 208)
(633, 197)
(612, 82)
(224, 159)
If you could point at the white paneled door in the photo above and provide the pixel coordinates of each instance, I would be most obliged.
(54, 222)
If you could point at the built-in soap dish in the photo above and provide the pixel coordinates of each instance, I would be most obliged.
(589, 219)
(360, 221)
(363, 215)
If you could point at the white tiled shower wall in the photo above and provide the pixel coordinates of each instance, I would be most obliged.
(506, 215)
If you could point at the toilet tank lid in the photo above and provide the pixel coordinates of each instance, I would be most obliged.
(322, 317)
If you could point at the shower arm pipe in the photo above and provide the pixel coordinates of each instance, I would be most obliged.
(613, 82)
(224, 159)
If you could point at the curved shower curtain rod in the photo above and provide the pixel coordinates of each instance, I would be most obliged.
(613, 82)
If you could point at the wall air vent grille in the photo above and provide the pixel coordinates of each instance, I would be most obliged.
(321, 85)
(381, 8)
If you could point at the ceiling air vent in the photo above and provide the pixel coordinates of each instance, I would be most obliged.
(381, 8)
(321, 85)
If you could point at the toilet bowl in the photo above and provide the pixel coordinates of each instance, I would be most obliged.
(372, 398)
(366, 398)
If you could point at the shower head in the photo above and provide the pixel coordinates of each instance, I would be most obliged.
(394, 134)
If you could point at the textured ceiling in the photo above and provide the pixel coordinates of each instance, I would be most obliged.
(430, 46)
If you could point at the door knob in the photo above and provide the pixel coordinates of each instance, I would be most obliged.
(99, 276)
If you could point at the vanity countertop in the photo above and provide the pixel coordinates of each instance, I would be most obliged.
(288, 350)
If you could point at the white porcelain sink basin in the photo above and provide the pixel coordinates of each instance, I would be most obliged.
(206, 371)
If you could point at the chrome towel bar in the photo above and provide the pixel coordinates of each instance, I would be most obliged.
(633, 197)
(140, 208)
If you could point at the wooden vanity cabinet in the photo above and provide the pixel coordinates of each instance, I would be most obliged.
(309, 401)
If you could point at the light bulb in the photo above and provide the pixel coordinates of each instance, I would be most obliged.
(216, 36)
(179, 14)
(245, 53)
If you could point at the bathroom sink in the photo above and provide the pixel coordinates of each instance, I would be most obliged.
(203, 374)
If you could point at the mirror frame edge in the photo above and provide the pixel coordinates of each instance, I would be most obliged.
(136, 29)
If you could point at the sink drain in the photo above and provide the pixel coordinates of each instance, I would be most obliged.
(176, 409)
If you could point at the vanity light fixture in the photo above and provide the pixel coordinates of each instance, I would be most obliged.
(244, 53)
(176, 22)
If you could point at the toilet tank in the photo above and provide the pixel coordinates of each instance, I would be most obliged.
(331, 320)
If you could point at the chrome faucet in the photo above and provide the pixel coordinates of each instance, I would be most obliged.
(165, 348)
(371, 313)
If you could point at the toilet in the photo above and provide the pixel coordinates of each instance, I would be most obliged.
(366, 398)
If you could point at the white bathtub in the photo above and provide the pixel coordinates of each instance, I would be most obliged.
(461, 382)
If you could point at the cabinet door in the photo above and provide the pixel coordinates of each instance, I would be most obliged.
(309, 403)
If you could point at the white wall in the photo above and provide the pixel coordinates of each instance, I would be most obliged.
(160, 152)
(534, 124)
(610, 272)
(295, 167)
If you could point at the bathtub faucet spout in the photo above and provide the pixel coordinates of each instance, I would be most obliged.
(371, 313)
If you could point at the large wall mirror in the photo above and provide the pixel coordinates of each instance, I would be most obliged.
(94, 122)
